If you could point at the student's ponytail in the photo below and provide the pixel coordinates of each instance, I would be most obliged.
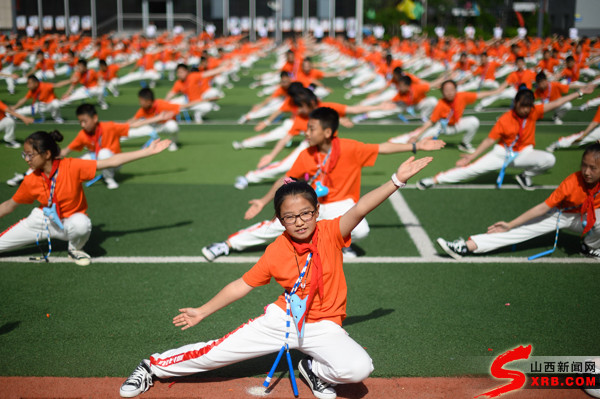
(46, 141)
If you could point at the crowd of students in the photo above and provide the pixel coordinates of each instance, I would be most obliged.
(316, 189)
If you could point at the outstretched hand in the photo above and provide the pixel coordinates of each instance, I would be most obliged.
(188, 317)
(255, 207)
(411, 167)
(464, 160)
(264, 161)
(498, 227)
(429, 144)
(157, 146)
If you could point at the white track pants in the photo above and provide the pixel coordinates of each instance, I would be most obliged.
(170, 127)
(424, 108)
(275, 169)
(537, 227)
(467, 124)
(137, 76)
(376, 84)
(77, 231)
(83, 93)
(266, 231)
(267, 110)
(104, 153)
(40, 107)
(532, 161)
(508, 94)
(337, 358)
(476, 84)
(386, 95)
(262, 139)
(567, 141)
(8, 125)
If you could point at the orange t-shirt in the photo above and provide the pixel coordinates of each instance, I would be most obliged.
(193, 86)
(301, 122)
(487, 71)
(68, 193)
(46, 64)
(507, 128)
(157, 107)
(572, 75)
(344, 180)
(279, 92)
(279, 262)
(517, 78)
(548, 65)
(110, 73)
(308, 78)
(554, 91)
(452, 111)
(107, 134)
(570, 194)
(88, 79)
(3, 108)
(415, 94)
(597, 116)
(43, 93)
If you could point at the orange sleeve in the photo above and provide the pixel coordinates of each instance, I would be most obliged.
(436, 115)
(78, 143)
(260, 273)
(498, 129)
(139, 114)
(122, 129)
(559, 194)
(87, 168)
(365, 154)
(597, 116)
(469, 97)
(24, 194)
(300, 167)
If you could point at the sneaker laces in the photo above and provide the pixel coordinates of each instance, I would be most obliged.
(138, 376)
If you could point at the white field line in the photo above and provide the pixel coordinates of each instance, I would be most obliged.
(435, 258)
(413, 226)
(482, 187)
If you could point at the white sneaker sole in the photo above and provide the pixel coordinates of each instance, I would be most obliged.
(208, 255)
(442, 243)
(316, 393)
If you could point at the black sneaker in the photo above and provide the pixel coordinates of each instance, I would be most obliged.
(590, 252)
(456, 249)
(320, 389)
(138, 382)
(466, 147)
(525, 182)
(81, 258)
(214, 250)
(426, 183)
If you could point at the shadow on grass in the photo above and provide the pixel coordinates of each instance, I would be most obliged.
(375, 314)
(8, 327)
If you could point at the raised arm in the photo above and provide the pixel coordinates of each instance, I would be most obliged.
(27, 120)
(267, 159)
(374, 198)
(428, 144)
(125, 157)
(233, 291)
(560, 101)
(466, 159)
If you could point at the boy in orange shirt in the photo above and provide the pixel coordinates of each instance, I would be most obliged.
(88, 80)
(333, 357)
(333, 162)
(574, 205)
(43, 99)
(591, 134)
(547, 91)
(102, 139)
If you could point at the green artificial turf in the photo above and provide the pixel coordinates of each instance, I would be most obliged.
(414, 319)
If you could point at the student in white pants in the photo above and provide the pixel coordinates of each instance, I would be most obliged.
(574, 206)
(7, 125)
(589, 135)
(333, 356)
(513, 140)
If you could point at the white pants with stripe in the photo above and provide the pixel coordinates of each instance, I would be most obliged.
(266, 110)
(536, 227)
(170, 127)
(276, 134)
(337, 358)
(83, 93)
(532, 161)
(266, 231)
(476, 84)
(41, 107)
(277, 168)
(567, 141)
(467, 124)
(77, 231)
(8, 125)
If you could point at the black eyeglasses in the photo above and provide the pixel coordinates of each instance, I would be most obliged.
(305, 216)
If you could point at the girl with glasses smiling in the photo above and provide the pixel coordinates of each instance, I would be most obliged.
(57, 185)
(306, 260)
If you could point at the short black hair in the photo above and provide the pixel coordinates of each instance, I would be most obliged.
(291, 189)
(34, 78)
(405, 79)
(327, 117)
(182, 66)
(592, 148)
(284, 74)
(449, 81)
(525, 97)
(102, 63)
(81, 61)
(570, 58)
(540, 77)
(146, 93)
(304, 97)
(86, 109)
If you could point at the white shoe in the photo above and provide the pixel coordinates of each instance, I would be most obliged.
(173, 146)
(16, 180)
(558, 121)
(243, 119)
(240, 183)
(12, 144)
(478, 108)
(198, 117)
(237, 145)
(81, 258)
(349, 253)
(138, 382)
(111, 184)
(104, 106)
(59, 120)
